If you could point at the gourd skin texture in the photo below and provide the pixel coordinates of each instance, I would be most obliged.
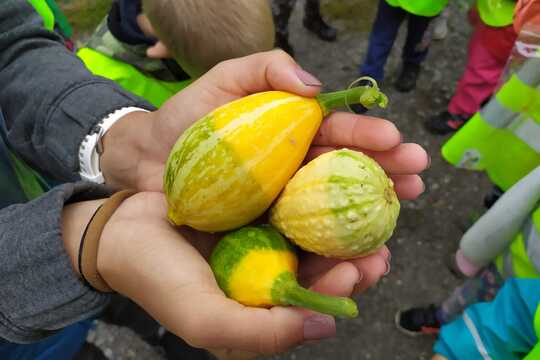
(247, 262)
(256, 266)
(226, 169)
(341, 204)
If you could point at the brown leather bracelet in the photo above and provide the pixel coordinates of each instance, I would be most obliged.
(88, 248)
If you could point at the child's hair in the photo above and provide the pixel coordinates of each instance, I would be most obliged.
(201, 33)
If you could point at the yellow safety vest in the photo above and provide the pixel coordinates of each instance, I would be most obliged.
(504, 137)
(428, 8)
(46, 13)
(496, 13)
(522, 258)
(130, 78)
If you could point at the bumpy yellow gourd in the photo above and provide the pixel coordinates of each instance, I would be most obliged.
(227, 169)
(340, 204)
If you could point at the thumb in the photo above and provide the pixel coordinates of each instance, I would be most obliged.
(216, 322)
(272, 70)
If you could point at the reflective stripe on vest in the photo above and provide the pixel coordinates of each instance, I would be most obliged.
(428, 8)
(131, 79)
(480, 347)
(522, 258)
(45, 12)
(496, 13)
(504, 137)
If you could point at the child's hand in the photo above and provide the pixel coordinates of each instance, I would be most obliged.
(137, 147)
(166, 272)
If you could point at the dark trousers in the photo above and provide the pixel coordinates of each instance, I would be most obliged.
(282, 10)
(384, 33)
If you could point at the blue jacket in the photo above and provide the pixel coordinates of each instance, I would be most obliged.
(499, 330)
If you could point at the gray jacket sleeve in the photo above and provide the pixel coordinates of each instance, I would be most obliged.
(49, 99)
(39, 291)
(50, 102)
(496, 229)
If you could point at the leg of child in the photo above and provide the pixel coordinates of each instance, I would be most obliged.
(487, 56)
(438, 357)
(382, 37)
(314, 22)
(416, 46)
(281, 11)
(483, 287)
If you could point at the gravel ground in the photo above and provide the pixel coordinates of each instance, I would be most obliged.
(429, 228)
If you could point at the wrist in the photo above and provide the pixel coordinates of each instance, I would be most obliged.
(123, 146)
(75, 218)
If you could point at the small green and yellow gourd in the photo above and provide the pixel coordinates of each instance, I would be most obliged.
(256, 266)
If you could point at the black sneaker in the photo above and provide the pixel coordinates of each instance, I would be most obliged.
(491, 198)
(282, 42)
(445, 123)
(407, 79)
(418, 321)
(314, 22)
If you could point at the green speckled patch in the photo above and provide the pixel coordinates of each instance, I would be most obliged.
(202, 130)
(234, 246)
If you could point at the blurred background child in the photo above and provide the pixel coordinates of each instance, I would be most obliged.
(153, 48)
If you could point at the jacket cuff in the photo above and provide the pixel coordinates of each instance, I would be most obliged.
(75, 116)
(40, 292)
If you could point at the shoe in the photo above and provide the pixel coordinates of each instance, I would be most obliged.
(418, 321)
(407, 79)
(282, 42)
(491, 198)
(445, 123)
(90, 351)
(316, 24)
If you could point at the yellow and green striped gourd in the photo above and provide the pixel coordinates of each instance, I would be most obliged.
(340, 204)
(257, 267)
(228, 167)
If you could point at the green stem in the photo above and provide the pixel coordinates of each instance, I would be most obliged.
(290, 293)
(367, 96)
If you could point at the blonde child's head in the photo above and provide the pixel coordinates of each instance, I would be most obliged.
(200, 33)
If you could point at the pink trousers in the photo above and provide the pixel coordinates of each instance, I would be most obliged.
(481, 75)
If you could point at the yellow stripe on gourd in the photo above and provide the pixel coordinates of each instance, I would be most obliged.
(254, 288)
(275, 123)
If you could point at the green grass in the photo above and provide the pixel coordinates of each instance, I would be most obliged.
(84, 15)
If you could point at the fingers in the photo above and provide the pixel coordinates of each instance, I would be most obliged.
(408, 187)
(339, 280)
(214, 321)
(347, 130)
(273, 70)
(369, 269)
(373, 267)
(401, 160)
